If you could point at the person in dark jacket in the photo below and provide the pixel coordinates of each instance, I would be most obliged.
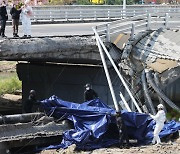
(123, 135)
(30, 102)
(15, 13)
(89, 93)
(3, 18)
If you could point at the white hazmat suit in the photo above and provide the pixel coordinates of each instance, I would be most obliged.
(160, 118)
(26, 19)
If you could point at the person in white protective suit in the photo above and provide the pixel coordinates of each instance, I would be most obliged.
(160, 118)
(26, 19)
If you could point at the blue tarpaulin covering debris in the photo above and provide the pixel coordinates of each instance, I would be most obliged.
(93, 120)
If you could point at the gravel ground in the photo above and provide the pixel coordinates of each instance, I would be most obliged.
(165, 148)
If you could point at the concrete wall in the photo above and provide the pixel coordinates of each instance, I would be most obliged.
(64, 81)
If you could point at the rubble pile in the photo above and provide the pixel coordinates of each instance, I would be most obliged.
(32, 129)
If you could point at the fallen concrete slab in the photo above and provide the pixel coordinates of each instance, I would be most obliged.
(33, 129)
(79, 49)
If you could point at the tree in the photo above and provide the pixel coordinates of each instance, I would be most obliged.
(84, 2)
(119, 2)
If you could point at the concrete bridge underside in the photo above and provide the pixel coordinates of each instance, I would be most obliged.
(62, 66)
(65, 81)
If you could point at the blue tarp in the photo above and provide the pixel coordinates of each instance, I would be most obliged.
(92, 121)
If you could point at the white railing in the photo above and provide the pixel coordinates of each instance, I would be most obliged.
(132, 25)
(95, 13)
(138, 23)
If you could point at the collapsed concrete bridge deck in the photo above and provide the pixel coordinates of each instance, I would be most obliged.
(48, 57)
(67, 49)
(48, 73)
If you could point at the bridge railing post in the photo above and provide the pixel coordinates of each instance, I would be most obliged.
(108, 14)
(81, 16)
(35, 17)
(51, 17)
(149, 22)
(108, 33)
(166, 20)
(95, 15)
(66, 15)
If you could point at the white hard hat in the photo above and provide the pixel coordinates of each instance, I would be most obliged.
(87, 85)
(160, 106)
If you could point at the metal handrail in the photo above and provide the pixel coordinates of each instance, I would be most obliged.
(141, 22)
(83, 13)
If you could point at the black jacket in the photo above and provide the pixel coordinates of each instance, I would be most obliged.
(90, 94)
(3, 13)
(29, 103)
(15, 13)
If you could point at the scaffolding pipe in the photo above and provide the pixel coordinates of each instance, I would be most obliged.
(107, 76)
(125, 103)
(117, 71)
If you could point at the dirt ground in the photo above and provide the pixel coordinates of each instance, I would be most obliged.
(6, 66)
(165, 148)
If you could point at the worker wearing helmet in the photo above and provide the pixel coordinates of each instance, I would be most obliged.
(160, 118)
(30, 102)
(123, 134)
(89, 93)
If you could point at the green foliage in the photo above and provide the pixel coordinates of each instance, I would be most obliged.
(83, 2)
(118, 2)
(130, 2)
(89, 2)
(19, 5)
(173, 114)
(9, 84)
(56, 2)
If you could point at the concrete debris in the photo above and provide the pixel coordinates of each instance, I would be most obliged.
(158, 52)
(36, 127)
(160, 65)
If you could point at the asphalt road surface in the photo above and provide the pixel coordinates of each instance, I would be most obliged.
(56, 29)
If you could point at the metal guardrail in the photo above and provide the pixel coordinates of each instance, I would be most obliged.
(138, 23)
(95, 13)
